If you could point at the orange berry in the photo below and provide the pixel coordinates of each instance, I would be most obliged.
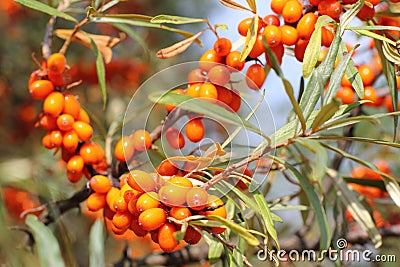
(152, 219)
(236, 101)
(56, 63)
(233, 60)
(166, 237)
(292, 11)
(111, 194)
(122, 220)
(255, 76)
(166, 168)
(53, 104)
(346, 94)
(222, 46)
(194, 90)
(300, 49)
(90, 153)
(192, 236)
(316, 2)
(377, 65)
(217, 208)
(332, 8)
(196, 76)
(240, 184)
(345, 81)
(273, 35)
(389, 104)
(141, 181)
(147, 201)
(219, 75)
(46, 141)
(289, 35)
(56, 79)
(277, 5)
(245, 24)
(65, 122)
(56, 138)
(48, 122)
(100, 184)
(209, 59)
(366, 13)
(132, 207)
(72, 107)
(180, 213)
(141, 140)
(370, 94)
(271, 19)
(96, 201)
(40, 89)
(83, 130)
(195, 130)
(124, 149)
(327, 35)
(208, 91)
(196, 198)
(278, 52)
(74, 177)
(367, 74)
(306, 25)
(75, 164)
(224, 95)
(172, 195)
(258, 48)
(119, 204)
(135, 227)
(83, 116)
(180, 181)
(174, 138)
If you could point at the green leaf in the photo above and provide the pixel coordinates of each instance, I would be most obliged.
(356, 209)
(367, 182)
(131, 33)
(337, 76)
(314, 46)
(47, 245)
(96, 244)
(325, 113)
(251, 38)
(101, 72)
(237, 229)
(169, 19)
(312, 196)
(108, 5)
(349, 15)
(39, 6)
(203, 107)
(356, 139)
(266, 215)
(215, 251)
(347, 121)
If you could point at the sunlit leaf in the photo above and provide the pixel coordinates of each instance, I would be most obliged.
(266, 215)
(347, 121)
(215, 251)
(39, 6)
(169, 19)
(96, 244)
(356, 139)
(234, 5)
(325, 113)
(251, 38)
(252, 5)
(352, 73)
(349, 15)
(178, 48)
(101, 72)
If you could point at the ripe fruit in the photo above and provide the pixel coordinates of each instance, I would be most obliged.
(75, 164)
(219, 75)
(236, 101)
(289, 35)
(83, 116)
(147, 201)
(172, 195)
(175, 138)
(100, 184)
(122, 220)
(180, 213)
(90, 153)
(366, 13)
(57, 80)
(119, 204)
(273, 35)
(224, 95)
(217, 208)
(278, 52)
(300, 49)
(152, 219)
(367, 74)
(166, 168)
(141, 140)
(346, 94)
(196, 76)
(124, 149)
(96, 201)
(327, 35)
(74, 177)
(389, 105)
(65, 122)
(292, 11)
(195, 130)
(332, 8)
(255, 76)
(258, 48)
(192, 236)
(209, 59)
(83, 130)
(370, 94)
(277, 5)
(222, 46)
(180, 181)
(306, 25)
(196, 198)
(166, 238)
(245, 24)
(53, 104)
(135, 227)
(271, 19)
(141, 181)
(56, 138)
(48, 122)
(73, 108)
(208, 91)
(56, 63)
(233, 60)
(40, 89)
(194, 89)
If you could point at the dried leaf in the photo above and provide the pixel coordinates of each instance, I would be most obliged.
(178, 48)
(234, 5)
(250, 38)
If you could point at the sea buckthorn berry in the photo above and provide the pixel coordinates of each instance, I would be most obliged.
(46, 141)
(56, 63)
(170, 107)
(172, 195)
(300, 49)
(40, 89)
(65, 122)
(289, 35)
(166, 237)
(196, 76)
(119, 204)
(255, 76)
(56, 138)
(96, 201)
(122, 220)
(292, 11)
(175, 138)
(124, 149)
(194, 90)
(196, 198)
(100, 184)
(152, 219)
(273, 35)
(366, 13)
(195, 130)
(224, 95)
(53, 104)
(130, 193)
(367, 74)
(99, 151)
(233, 60)
(278, 52)
(48, 122)
(240, 184)
(147, 201)
(306, 25)
(258, 48)
(236, 101)
(88, 152)
(108, 213)
(180, 181)
(83, 116)
(316, 2)
(56, 79)
(208, 91)
(135, 227)
(389, 104)
(66, 155)
(74, 177)
(219, 75)
(209, 59)
(141, 140)
(277, 5)
(83, 130)
(75, 164)
(327, 35)
(180, 213)
(116, 231)
(166, 168)
(346, 94)
(132, 207)
(141, 181)
(222, 46)
(271, 19)
(33, 77)
(370, 94)
(192, 236)
(245, 24)
(332, 8)
(217, 208)
(345, 81)
(73, 108)
(111, 195)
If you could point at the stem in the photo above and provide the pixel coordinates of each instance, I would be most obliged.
(75, 30)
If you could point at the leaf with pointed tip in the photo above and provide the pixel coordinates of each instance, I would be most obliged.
(101, 72)
(39, 6)
(234, 5)
(251, 38)
(267, 216)
(169, 19)
(325, 113)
